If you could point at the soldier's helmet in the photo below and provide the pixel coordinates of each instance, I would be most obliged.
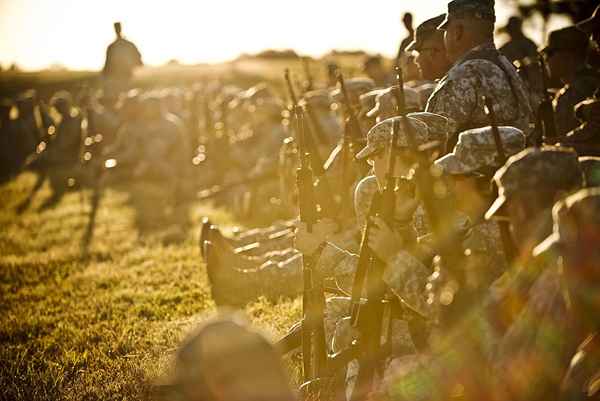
(550, 169)
(576, 214)
(225, 356)
(476, 153)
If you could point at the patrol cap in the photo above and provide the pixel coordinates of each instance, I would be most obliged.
(385, 102)
(476, 151)
(424, 31)
(355, 88)
(439, 126)
(569, 38)
(226, 355)
(575, 214)
(459, 9)
(591, 24)
(591, 170)
(320, 98)
(549, 168)
(379, 137)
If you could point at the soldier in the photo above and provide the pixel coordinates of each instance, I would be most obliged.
(225, 359)
(62, 154)
(566, 54)
(429, 44)
(591, 26)
(407, 21)
(575, 236)
(407, 267)
(373, 68)
(519, 46)
(527, 303)
(122, 57)
(244, 279)
(585, 139)
(8, 139)
(479, 70)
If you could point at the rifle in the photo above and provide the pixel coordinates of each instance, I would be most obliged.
(217, 190)
(326, 199)
(449, 253)
(309, 79)
(352, 134)
(545, 111)
(510, 250)
(314, 351)
(367, 318)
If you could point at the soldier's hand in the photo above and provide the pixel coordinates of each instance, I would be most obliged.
(308, 242)
(406, 204)
(383, 241)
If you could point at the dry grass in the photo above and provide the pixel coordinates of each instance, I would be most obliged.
(102, 326)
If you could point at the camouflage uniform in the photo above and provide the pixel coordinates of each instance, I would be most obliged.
(434, 374)
(531, 299)
(482, 71)
(459, 94)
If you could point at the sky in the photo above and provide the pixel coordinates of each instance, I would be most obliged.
(37, 34)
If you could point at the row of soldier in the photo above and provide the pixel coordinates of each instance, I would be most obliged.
(487, 319)
(500, 315)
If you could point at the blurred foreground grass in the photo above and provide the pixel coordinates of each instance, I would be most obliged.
(102, 326)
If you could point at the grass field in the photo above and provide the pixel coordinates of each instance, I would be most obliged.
(102, 326)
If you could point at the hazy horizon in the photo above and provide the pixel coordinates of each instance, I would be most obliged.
(74, 34)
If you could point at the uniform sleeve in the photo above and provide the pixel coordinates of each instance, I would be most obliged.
(407, 277)
(456, 97)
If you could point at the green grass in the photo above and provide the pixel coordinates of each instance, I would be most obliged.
(102, 326)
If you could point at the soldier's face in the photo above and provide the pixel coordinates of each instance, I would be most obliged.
(431, 58)
(452, 39)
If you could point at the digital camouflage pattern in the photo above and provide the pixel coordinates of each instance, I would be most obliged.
(379, 137)
(385, 103)
(459, 95)
(476, 150)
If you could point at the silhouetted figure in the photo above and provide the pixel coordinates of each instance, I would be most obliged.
(519, 46)
(373, 68)
(122, 57)
(407, 21)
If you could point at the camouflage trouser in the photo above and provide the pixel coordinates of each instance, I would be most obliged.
(340, 334)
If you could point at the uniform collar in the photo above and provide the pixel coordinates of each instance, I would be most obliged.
(488, 45)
